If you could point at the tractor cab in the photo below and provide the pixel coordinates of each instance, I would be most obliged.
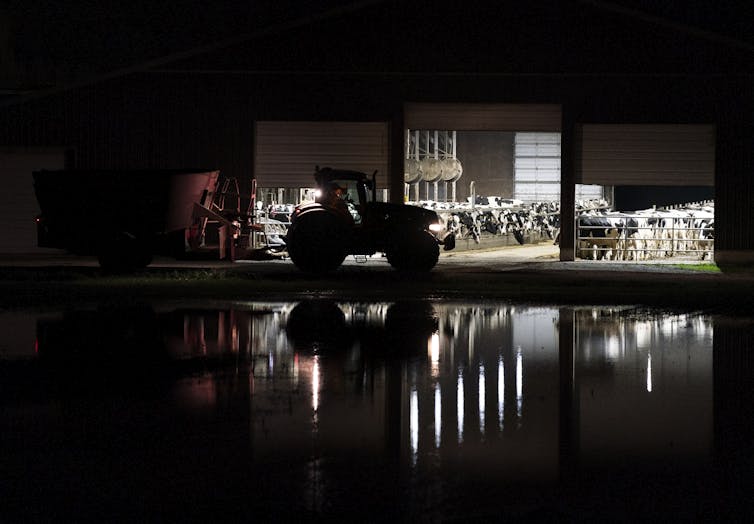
(337, 187)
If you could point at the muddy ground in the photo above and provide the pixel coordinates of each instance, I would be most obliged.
(522, 274)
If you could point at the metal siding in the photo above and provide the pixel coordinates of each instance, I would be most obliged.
(589, 192)
(537, 192)
(645, 155)
(483, 117)
(20, 207)
(286, 153)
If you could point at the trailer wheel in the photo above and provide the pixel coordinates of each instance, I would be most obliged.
(414, 252)
(317, 242)
(123, 253)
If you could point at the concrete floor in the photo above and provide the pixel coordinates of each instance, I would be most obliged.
(542, 256)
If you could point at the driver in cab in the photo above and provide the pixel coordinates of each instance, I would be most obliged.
(334, 197)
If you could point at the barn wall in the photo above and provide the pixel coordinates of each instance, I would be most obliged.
(169, 120)
(135, 124)
(286, 153)
(734, 195)
(483, 117)
(647, 155)
(487, 159)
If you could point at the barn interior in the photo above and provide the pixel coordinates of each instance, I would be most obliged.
(636, 198)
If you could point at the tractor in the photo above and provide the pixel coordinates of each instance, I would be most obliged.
(346, 219)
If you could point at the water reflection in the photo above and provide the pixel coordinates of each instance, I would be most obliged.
(645, 384)
(460, 394)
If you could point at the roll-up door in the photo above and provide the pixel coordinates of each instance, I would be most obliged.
(483, 117)
(647, 155)
(286, 153)
(19, 201)
(537, 167)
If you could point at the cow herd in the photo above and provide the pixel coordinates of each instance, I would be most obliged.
(491, 217)
(650, 234)
(602, 234)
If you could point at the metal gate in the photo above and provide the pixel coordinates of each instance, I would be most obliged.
(652, 236)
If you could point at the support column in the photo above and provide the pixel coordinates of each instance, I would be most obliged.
(570, 145)
(734, 191)
(393, 407)
(568, 399)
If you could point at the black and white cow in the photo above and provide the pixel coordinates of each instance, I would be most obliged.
(599, 236)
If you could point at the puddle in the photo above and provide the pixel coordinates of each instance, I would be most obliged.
(432, 411)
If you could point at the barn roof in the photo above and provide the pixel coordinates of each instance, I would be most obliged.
(391, 37)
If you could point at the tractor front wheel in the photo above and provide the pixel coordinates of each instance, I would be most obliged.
(414, 252)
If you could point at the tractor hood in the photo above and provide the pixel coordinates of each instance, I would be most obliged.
(404, 213)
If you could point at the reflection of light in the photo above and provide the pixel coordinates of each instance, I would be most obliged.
(221, 340)
(649, 372)
(413, 407)
(234, 338)
(643, 334)
(314, 486)
(701, 328)
(481, 399)
(200, 393)
(270, 365)
(315, 384)
(500, 392)
(612, 348)
(668, 326)
(519, 382)
(433, 348)
(438, 415)
(459, 406)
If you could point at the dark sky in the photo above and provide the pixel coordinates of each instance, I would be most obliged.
(76, 38)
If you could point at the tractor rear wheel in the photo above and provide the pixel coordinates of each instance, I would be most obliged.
(317, 242)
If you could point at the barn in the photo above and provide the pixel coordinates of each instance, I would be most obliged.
(538, 102)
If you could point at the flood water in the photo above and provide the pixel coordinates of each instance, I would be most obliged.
(409, 411)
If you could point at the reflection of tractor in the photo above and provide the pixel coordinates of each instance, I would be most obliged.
(322, 234)
(320, 326)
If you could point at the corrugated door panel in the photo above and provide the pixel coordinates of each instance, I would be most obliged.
(537, 167)
(483, 117)
(19, 202)
(645, 155)
(286, 153)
